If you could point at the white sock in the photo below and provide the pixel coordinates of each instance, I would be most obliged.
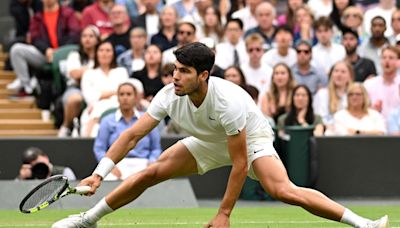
(98, 211)
(353, 219)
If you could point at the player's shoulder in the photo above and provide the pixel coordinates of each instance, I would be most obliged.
(226, 93)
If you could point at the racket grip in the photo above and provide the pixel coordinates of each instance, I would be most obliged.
(82, 189)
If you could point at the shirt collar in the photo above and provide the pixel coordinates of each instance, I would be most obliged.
(118, 114)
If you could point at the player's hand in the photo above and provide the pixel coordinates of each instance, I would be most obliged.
(93, 181)
(219, 221)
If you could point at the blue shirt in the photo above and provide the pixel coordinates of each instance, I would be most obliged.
(112, 125)
(313, 79)
(393, 123)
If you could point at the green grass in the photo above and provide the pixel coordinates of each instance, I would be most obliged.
(269, 216)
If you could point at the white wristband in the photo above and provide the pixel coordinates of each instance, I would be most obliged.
(104, 167)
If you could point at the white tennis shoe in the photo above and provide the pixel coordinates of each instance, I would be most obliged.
(380, 223)
(74, 221)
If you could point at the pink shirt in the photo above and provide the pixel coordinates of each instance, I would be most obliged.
(389, 94)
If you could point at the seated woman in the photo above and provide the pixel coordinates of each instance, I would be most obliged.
(150, 75)
(277, 99)
(99, 87)
(300, 113)
(235, 75)
(358, 118)
(329, 100)
(133, 59)
(111, 126)
(77, 63)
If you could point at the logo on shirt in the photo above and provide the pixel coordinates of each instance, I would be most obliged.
(211, 118)
(256, 151)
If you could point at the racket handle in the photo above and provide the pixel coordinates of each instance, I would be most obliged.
(82, 189)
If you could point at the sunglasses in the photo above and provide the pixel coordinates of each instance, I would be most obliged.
(188, 33)
(254, 49)
(303, 51)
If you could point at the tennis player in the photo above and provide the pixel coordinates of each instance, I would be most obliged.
(227, 128)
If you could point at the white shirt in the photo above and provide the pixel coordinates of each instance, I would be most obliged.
(249, 21)
(272, 57)
(319, 8)
(326, 57)
(259, 78)
(73, 62)
(321, 105)
(224, 57)
(168, 56)
(94, 82)
(343, 121)
(226, 110)
(152, 21)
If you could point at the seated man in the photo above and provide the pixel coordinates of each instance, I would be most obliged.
(36, 165)
(112, 125)
(50, 29)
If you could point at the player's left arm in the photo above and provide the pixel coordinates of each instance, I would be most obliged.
(237, 148)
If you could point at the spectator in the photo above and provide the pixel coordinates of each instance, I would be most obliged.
(167, 73)
(186, 34)
(265, 15)
(232, 52)
(329, 100)
(289, 18)
(306, 74)
(384, 9)
(235, 75)
(50, 29)
(301, 112)
(79, 6)
(372, 47)
(337, 11)
(166, 36)
(119, 38)
(97, 14)
(325, 52)
(77, 63)
(395, 26)
(137, 7)
(352, 19)
(197, 17)
(150, 75)
(150, 19)
(247, 14)
(20, 11)
(36, 165)
(277, 100)
(283, 52)
(99, 87)
(358, 118)
(304, 21)
(393, 123)
(321, 8)
(256, 72)
(111, 126)
(383, 89)
(363, 68)
(184, 7)
(133, 59)
(212, 26)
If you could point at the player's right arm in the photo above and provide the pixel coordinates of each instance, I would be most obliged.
(118, 150)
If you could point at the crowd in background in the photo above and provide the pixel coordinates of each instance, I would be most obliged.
(331, 64)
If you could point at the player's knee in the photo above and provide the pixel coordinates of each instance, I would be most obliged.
(150, 175)
(285, 194)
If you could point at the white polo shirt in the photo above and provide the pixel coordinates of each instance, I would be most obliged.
(226, 110)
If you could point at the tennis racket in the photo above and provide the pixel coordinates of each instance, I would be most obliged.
(48, 192)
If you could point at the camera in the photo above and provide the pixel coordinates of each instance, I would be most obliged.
(40, 171)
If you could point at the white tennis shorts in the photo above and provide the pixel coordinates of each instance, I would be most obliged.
(210, 155)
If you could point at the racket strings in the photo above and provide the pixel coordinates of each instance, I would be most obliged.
(44, 193)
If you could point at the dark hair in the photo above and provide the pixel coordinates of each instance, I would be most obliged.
(323, 22)
(379, 18)
(219, 29)
(128, 84)
(305, 42)
(251, 90)
(113, 63)
(284, 28)
(291, 118)
(336, 16)
(196, 55)
(347, 30)
(235, 20)
(167, 69)
(242, 77)
(31, 154)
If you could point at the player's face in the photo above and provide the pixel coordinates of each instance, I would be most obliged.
(185, 78)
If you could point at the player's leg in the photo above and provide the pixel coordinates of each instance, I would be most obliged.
(174, 162)
(273, 177)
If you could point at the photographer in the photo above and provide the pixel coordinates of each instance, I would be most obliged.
(36, 165)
